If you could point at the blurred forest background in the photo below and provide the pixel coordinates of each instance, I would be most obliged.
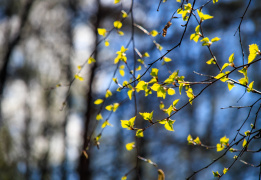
(43, 41)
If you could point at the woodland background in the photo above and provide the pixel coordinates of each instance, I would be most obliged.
(43, 41)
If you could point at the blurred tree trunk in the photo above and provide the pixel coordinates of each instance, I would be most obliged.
(84, 163)
(11, 43)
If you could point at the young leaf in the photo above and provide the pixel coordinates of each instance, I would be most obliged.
(231, 58)
(91, 60)
(128, 124)
(106, 123)
(216, 174)
(147, 116)
(124, 14)
(166, 59)
(99, 117)
(215, 1)
(230, 85)
(139, 133)
(130, 93)
(175, 102)
(253, 51)
(76, 76)
(102, 31)
(224, 140)
(171, 91)
(116, 1)
(106, 43)
(215, 39)
(169, 125)
(197, 141)
(108, 93)
(225, 170)
(220, 147)
(130, 146)
(117, 24)
(154, 72)
(224, 66)
(154, 33)
(211, 61)
(123, 177)
(244, 143)
(250, 87)
(98, 101)
(204, 16)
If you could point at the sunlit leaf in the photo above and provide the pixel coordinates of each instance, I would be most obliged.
(253, 51)
(215, 39)
(147, 116)
(139, 133)
(250, 87)
(124, 14)
(130, 146)
(231, 58)
(91, 60)
(220, 147)
(108, 93)
(211, 61)
(76, 76)
(216, 174)
(225, 170)
(171, 91)
(154, 33)
(102, 31)
(98, 101)
(130, 92)
(99, 117)
(244, 143)
(197, 141)
(117, 24)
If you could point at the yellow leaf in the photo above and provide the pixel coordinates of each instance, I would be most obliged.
(250, 87)
(124, 14)
(220, 147)
(231, 58)
(98, 101)
(146, 54)
(138, 68)
(141, 86)
(230, 85)
(225, 170)
(130, 93)
(106, 43)
(197, 140)
(139, 133)
(154, 33)
(169, 125)
(116, 1)
(224, 140)
(166, 59)
(79, 67)
(171, 91)
(91, 60)
(123, 177)
(106, 123)
(117, 24)
(78, 77)
(108, 93)
(189, 138)
(122, 72)
(102, 31)
(253, 51)
(215, 39)
(211, 61)
(244, 143)
(224, 66)
(130, 146)
(121, 33)
(215, 1)
(99, 117)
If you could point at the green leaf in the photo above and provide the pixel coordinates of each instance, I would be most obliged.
(117, 24)
(128, 124)
(216, 174)
(147, 116)
(130, 146)
(247, 133)
(169, 125)
(161, 92)
(205, 41)
(231, 58)
(139, 133)
(154, 72)
(154, 33)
